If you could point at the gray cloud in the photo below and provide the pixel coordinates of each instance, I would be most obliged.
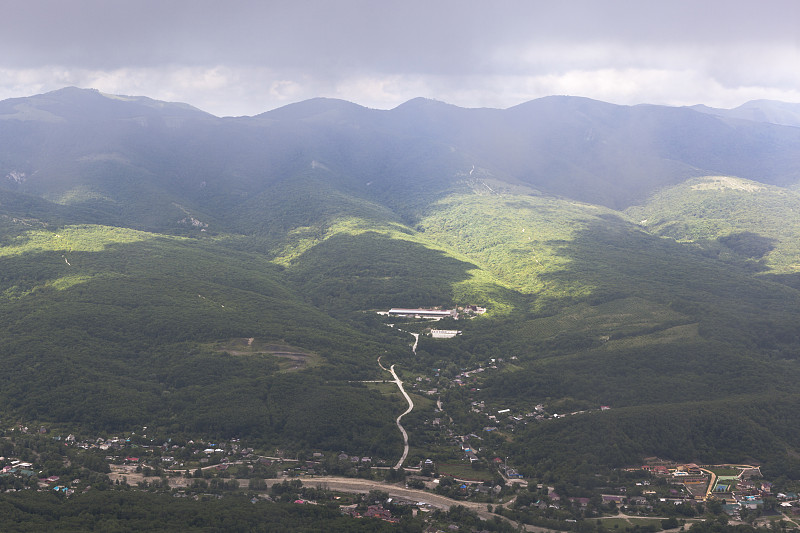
(245, 57)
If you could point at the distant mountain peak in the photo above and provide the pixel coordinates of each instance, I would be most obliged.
(314, 107)
(74, 103)
(769, 111)
(422, 101)
(425, 104)
(562, 102)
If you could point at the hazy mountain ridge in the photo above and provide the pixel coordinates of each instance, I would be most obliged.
(91, 105)
(573, 147)
(773, 112)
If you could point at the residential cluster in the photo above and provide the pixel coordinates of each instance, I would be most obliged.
(740, 487)
(136, 456)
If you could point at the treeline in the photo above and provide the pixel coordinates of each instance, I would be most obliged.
(112, 511)
(723, 431)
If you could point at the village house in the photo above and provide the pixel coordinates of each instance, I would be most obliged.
(580, 502)
(377, 511)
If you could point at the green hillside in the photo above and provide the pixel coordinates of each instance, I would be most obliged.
(213, 277)
(110, 328)
(732, 217)
(618, 316)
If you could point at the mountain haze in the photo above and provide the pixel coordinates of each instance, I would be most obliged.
(573, 147)
(769, 111)
(156, 258)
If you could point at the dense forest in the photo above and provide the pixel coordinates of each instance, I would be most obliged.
(143, 511)
(164, 268)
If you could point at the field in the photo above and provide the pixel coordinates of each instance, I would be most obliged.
(622, 524)
(725, 472)
(465, 471)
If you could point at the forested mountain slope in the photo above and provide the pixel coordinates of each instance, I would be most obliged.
(63, 145)
(156, 261)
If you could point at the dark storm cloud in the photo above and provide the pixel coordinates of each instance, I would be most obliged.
(262, 54)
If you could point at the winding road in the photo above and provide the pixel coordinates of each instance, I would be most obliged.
(399, 384)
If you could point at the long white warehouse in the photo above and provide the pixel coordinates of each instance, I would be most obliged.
(424, 313)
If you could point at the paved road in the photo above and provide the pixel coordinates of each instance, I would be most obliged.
(711, 484)
(399, 384)
(342, 484)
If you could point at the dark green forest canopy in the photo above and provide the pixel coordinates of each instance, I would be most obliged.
(118, 337)
(142, 511)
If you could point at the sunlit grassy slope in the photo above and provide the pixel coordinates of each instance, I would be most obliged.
(730, 217)
(617, 315)
(594, 271)
(516, 237)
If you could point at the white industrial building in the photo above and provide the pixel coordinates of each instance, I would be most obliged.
(444, 333)
(424, 313)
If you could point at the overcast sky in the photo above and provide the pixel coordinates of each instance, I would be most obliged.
(246, 57)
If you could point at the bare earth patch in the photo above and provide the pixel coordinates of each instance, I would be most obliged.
(291, 357)
(726, 182)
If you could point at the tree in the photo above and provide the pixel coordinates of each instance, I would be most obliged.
(377, 496)
(670, 523)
